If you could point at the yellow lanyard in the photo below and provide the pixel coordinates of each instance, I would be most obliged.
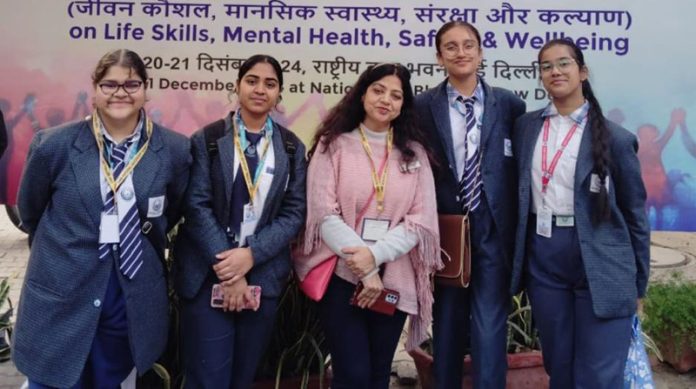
(114, 184)
(251, 184)
(379, 182)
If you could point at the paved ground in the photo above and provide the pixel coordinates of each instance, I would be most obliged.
(671, 248)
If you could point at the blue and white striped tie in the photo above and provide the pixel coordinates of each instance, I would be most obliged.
(470, 183)
(130, 249)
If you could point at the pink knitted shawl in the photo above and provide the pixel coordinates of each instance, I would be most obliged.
(339, 183)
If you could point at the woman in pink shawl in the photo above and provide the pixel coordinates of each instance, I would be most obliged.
(371, 201)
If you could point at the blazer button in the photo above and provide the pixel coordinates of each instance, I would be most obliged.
(97, 303)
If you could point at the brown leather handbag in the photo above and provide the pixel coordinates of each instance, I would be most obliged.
(456, 251)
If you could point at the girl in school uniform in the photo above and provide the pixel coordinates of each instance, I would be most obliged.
(371, 201)
(469, 126)
(246, 201)
(582, 246)
(97, 198)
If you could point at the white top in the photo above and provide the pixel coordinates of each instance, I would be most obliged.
(559, 197)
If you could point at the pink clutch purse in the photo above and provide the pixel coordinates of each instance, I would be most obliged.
(317, 280)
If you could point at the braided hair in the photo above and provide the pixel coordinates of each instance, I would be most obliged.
(600, 133)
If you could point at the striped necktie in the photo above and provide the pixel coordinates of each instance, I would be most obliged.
(470, 183)
(129, 250)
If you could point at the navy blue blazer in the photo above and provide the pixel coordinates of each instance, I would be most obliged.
(208, 203)
(60, 204)
(616, 253)
(501, 108)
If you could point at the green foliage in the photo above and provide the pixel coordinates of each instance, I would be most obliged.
(297, 347)
(670, 311)
(522, 335)
(5, 320)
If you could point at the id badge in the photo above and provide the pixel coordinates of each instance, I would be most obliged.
(374, 229)
(108, 228)
(249, 213)
(544, 222)
(248, 223)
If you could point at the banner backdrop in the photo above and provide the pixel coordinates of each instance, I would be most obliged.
(640, 64)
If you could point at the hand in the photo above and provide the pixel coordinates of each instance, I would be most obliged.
(29, 103)
(639, 305)
(234, 264)
(361, 260)
(678, 116)
(236, 295)
(372, 288)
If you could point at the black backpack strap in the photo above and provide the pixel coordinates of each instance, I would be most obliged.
(212, 132)
(289, 140)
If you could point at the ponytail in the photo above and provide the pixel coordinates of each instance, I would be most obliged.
(600, 135)
(600, 154)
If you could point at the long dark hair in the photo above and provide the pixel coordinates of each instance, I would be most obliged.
(349, 112)
(600, 133)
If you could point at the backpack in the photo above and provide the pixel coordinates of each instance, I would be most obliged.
(216, 130)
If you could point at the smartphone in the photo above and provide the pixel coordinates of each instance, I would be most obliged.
(386, 302)
(217, 297)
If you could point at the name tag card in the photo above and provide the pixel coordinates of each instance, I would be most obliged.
(249, 222)
(374, 229)
(544, 222)
(108, 228)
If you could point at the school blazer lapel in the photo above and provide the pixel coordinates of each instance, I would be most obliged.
(439, 106)
(585, 163)
(530, 138)
(84, 159)
(146, 170)
(280, 175)
(490, 115)
(226, 152)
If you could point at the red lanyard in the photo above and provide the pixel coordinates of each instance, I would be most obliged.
(547, 172)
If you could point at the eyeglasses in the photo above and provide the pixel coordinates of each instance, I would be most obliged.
(563, 65)
(452, 49)
(111, 87)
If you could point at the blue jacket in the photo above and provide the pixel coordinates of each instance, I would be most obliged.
(60, 204)
(501, 108)
(208, 203)
(616, 253)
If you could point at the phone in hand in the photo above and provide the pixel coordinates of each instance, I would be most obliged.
(385, 304)
(217, 297)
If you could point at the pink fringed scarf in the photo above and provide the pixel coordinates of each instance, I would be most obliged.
(339, 183)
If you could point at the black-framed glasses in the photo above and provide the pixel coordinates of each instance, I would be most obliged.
(563, 65)
(111, 87)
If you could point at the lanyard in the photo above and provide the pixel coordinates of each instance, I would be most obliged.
(239, 139)
(115, 183)
(379, 180)
(547, 172)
